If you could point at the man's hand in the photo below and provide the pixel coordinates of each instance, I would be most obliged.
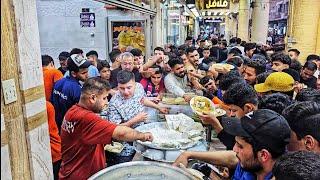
(146, 137)
(187, 98)
(164, 110)
(141, 117)
(212, 120)
(183, 159)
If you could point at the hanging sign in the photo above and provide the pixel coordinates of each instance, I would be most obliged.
(87, 19)
(215, 4)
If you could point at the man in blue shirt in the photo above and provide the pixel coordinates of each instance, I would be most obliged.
(66, 92)
(261, 137)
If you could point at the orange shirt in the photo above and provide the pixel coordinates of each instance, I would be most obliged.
(50, 76)
(55, 140)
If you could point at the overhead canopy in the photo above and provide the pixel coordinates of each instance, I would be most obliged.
(128, 5)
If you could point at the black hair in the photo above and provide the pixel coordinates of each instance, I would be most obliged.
(174, 61)
(102, 64)
(95, 85)
(209, 60)
(259, 66)
(313, 57)
(160, 48)
(236, 61)
(261, 78)
(214, 41)
(114, 54)
(240, 94)
(224, 43)
(295, 50)
(46, 60)
(90, 53)
(232, 77)
(205, 80)
(235, 51)
(158, 69)
(76, 51)
(249, 46)
(202, 40)
(298, 165)
(233, 40)
(308, 94)
(310, 66)
(276, 102)
(243, 43)
(295, 74)
(279, 56)
(183, 47)
(136, 52)
(303, 118)
(238, 40)
(125, 76)
(63, 56)
(190, 50)
(296, 65)
(206, 48)
(189, 38)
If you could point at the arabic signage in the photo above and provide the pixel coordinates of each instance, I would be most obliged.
(213, 4)
(87, 19)
(126, 34)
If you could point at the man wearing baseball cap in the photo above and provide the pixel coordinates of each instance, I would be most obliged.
(277, 82)
(66, 92)
(261, 137)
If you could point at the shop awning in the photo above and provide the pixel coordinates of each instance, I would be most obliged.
(128, 5)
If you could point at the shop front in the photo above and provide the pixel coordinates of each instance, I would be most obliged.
(129, 25)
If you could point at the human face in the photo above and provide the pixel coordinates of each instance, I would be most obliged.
(295, 144)
(63, 64)
(318, 83)
(138, 60)
(178, 70)
(247, 160)
(249, 75)
(194, 58)
(189, 42)
(211, 86)
(206, 53)
(105, 73)
(184, 59)
(82, 75)
(293, 55)
(92, 59)
(279, 66)
(127, 64)
(156, 78)
(100, 102)
(127, 89)
(306, 73)
(158, 53)
(236, 111)
(250, 52)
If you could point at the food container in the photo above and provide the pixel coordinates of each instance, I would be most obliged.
(142, 170)
(164, 154)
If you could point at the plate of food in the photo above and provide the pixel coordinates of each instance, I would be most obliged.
(221, 66)
(201, 105)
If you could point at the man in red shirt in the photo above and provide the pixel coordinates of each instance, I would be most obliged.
(84, 133)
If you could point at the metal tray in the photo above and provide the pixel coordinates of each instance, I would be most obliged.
(146, 127)
(142, 170)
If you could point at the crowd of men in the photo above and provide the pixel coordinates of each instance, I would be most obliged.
(272, 103)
